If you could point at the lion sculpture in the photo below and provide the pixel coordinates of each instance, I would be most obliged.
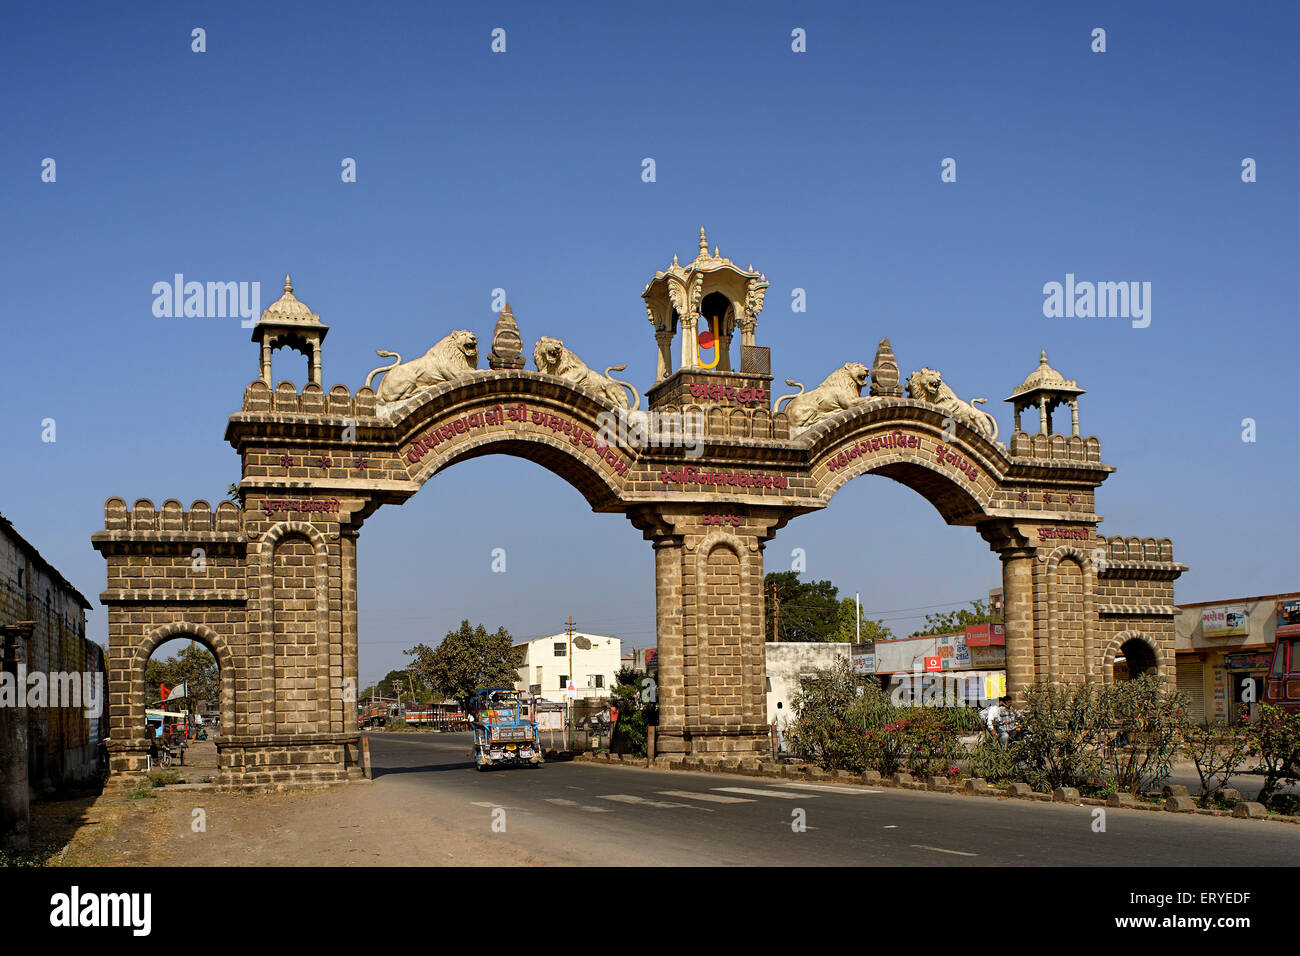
(842, 389)
(928, 386)
(554, 359)
(453, 356)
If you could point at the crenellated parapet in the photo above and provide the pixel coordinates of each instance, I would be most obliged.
(1055, 447)
(144, 521)
(312, 400)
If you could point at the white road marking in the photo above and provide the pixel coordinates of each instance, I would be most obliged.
(831, 789)
(598, 809)
(939, 849)
(710, 797)
(642, 801)
(782, 794)
(562, 803)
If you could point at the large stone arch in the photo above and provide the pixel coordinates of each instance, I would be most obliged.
(958, 471)
(523, 414)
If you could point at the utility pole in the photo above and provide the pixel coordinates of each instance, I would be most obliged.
(572, 677)
(857, 606)
(776, 613)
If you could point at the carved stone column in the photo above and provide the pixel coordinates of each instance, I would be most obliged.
(664, 338)
(690, 342)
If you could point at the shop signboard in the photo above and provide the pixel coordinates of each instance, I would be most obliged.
(1223, 621)
(985, 635)
(987, 657)
(864, 663)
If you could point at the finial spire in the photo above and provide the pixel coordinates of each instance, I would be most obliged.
(704, 243)
(288, 283)
(1042, 359)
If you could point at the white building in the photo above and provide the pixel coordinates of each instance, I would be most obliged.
(546, 667)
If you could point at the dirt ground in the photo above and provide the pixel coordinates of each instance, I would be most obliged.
(338, 826)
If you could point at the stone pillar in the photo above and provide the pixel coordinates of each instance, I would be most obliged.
(690, 342)
(266, 362)
(1018, 618)
(671, 684)
(314, 374)
(1074, 418)
(664, 362)
(1043, 425)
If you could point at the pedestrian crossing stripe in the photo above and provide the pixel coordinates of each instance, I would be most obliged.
(780, 794)
(710, 797)
(642, 801)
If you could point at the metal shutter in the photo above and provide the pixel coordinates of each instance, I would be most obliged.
(1191, 681)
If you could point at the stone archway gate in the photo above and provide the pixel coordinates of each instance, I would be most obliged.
(270, 587)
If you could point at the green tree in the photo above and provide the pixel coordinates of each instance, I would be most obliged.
(467, 658)
(847, 629)
(805, 610)
(637, 711)
(401, 679)
(952, 621)
(194, 666)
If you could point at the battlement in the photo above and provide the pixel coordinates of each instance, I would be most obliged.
(1055, 447)
(1132, 549)
(723, 422)
(172, 517)
(338, 402)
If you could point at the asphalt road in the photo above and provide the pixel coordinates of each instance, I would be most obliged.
(587, 813)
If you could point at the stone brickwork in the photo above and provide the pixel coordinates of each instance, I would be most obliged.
(275, 596)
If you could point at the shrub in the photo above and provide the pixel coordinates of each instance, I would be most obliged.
(1219, 751)
(1140, 728)
(992, 761)
(161, 778)
(842, 722)
(1276, 737)
(1058, 735)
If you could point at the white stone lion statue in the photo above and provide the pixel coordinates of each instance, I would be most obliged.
(842, 389)
(452, 357)
(928, 386)
(554, 359)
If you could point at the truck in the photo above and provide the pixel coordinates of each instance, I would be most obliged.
(504, 734)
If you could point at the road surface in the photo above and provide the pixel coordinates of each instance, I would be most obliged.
(610, 815)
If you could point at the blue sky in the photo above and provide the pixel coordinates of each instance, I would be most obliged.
(522, 170)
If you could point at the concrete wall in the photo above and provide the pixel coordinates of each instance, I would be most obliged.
(787, 660)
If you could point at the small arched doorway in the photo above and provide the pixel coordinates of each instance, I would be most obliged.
(1135, 658)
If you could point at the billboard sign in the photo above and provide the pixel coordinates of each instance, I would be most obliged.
(1223, 621)
(985, 635)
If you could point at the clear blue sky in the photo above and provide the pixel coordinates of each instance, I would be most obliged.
(522, 170)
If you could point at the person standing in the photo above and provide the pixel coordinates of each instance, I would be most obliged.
(781, 724)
